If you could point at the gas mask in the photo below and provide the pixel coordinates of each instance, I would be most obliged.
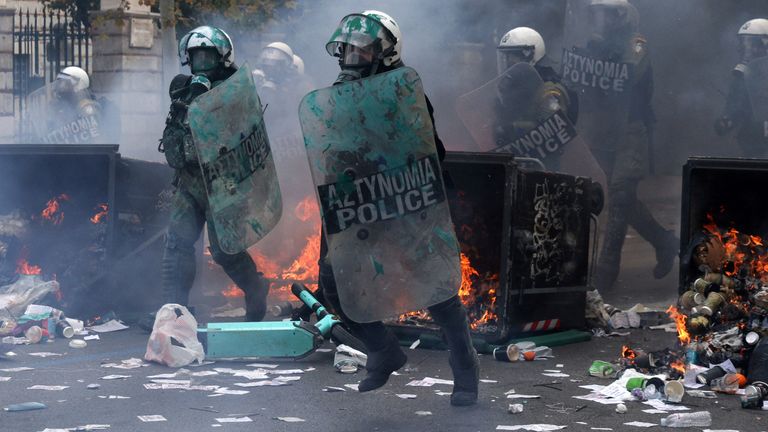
(204, 61)
(356, 62)
(752, 47)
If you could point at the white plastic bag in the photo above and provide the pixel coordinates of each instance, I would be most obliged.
(173, 341)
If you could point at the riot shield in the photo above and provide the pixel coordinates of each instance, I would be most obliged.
(64, 117)
(236, 160)
(756, 80)
(514, 114)
(603, 71)
(373, 159)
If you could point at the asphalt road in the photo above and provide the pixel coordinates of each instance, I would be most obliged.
(382, 410)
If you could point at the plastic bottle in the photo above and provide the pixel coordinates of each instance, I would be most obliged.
(681, 420)
(728, 383)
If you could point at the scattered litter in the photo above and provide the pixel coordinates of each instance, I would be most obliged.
(597, 397)
(17, 369)
(92, 337)
(621, 408)
(114, 397)
(230, 313)
(227, 391)
(330, 389)
(323, 350)
(655, 411)
(47, 387)
(109, 326)
(559, 365)
(10, 354)
(661, 405)
(707, 394)
(429, 382)
(348, 360)
(515, 408)
(4, 378)
(290, 419)
(26, 406)
(512, 395)
(263, 365)
(10, 340)
(602, 428)
(556, 375)
(720, 430)
(78, 343)
(167, 375)
(288, 378)
(488, 381)
(593, 387)
(641, 424)
(423, 413)
(262, 383)
(131, 363)
(531, 427)
(93, 386)
(286, 371)
(415, 344)
(171, 381)
(699, 418)
(352, 386)
(669, 327)
(152, 418)
(552, 370)
(44, 354)
(203, 373)
(234, 420)
(114, 377)
(406, 396)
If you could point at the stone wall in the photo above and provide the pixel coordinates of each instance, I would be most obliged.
(128, 71)
(6, 75)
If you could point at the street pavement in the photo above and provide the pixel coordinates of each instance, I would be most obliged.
(382, 410)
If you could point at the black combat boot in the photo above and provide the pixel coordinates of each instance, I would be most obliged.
(452, 318)
(384, 356)
(256, 299)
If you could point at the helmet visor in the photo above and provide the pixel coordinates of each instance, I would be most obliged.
(356, 30)
(752, 47)
(606, 21)
(506, 57)
(64, 84)
(203, 59)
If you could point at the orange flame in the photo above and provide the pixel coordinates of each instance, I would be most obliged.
(101, 215)
(627, 352)
(746, 252)
(678, 366)
(305, 267)
(467, 273)
(52, 211)
(682, 331)
(232, 291)
(24, 268)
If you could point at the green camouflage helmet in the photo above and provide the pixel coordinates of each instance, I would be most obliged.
(207, 37)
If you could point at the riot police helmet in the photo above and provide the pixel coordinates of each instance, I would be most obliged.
(365, 41)
(519, 45)
(206, 49)
(753, 39)
(612, 19)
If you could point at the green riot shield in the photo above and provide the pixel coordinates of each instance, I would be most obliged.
(373, 159)
(514, 113)
(756, 78)
(236, 160)
(64, 117)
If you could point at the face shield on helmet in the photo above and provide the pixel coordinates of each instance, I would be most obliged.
(202, 60)
(752, 47)
(213, 40)
(506, 57)
(361, 43)
(274, 62)
(610, 22)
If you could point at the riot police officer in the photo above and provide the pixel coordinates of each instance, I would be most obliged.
(746, 109)
(545, 96)
(614, 79)
(374, 47)
(210, 55)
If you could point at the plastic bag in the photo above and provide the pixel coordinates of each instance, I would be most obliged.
(173, 341)
(758, 362)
